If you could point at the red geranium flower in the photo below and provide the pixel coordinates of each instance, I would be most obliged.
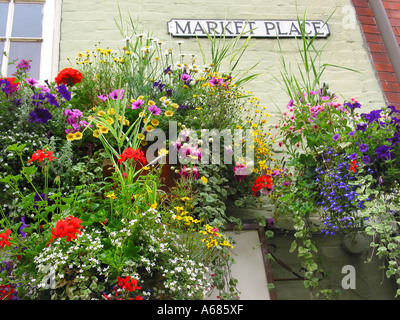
(40, 155)
(264, 182)
(135, 154)
(128, 284)
(69, 77)
(353, 166)
(69, 227)
(4, 239)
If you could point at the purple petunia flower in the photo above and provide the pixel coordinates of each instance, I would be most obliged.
(363, 147)
(22, 227)
(39, 197)
(335, 137)
(63, 91)
(395, 140)
(383, 152)
(393, 109)
(51, 98)
(372, 116)
(40, 115)
(353, 156)
(366, 159)
(154, 110)
(31, 81)
(361, 126)
(353, 106)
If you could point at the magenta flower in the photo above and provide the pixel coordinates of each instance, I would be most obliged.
(23, 64)
(186, 78)
(31, 81)
(102, 97)
(214, 82)
(154, 110)
(137, 104)
(117, 94)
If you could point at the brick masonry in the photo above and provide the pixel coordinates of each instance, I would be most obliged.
(389, 83)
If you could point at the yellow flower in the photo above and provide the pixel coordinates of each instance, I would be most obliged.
(96, 133)
(154, 205)
(155, 122)
(141, 136)
(151, 102)
(175, 105)
(110, 120)
(101, 113)
(163, 152)
(103, 129)
(204, 179)
(111, 195)
(149, 128)
(185, 198)
(169, 113)
(227, 244)
(70, 136)
(78, 135)
(111, 111)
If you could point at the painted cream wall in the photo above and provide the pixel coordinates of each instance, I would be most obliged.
(86, 22)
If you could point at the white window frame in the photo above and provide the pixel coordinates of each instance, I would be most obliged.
(50, 37)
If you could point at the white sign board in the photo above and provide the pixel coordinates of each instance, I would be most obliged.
(253, 28)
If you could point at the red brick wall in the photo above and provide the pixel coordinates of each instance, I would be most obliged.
(387, 77)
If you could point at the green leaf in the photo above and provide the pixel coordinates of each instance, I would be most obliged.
(293, 246)
(131, 251)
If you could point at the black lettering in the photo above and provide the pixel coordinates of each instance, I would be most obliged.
(251, 27)
(279, 29)
(225, 28)
(294, 29)
(199, 28)
(269, 26)
(317, 27)
(184, 31)
(238, 26)
(211, 26)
